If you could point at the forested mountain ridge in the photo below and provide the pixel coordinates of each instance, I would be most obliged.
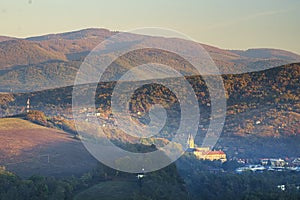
(55, 59)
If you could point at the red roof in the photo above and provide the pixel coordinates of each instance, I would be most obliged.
(215, 152)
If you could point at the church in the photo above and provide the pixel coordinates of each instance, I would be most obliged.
(205, 153)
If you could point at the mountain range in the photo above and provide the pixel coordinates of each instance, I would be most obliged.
(51, 61)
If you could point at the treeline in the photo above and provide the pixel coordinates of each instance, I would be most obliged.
(245, 186)
(36, 187)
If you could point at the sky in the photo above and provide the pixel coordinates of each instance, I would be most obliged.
(228, 24)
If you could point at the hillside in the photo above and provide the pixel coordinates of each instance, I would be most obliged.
(252, 96)
(35, 77)
(27, 149)
(51, 159)
(261, 106)
(128, 190)
(5, 38)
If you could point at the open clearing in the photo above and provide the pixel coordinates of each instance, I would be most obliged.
(27, 149)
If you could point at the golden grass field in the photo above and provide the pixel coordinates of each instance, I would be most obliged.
(27, 149)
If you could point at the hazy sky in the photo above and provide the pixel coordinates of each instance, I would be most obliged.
(230, 24)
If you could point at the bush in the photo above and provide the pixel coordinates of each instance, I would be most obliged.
(37, 117)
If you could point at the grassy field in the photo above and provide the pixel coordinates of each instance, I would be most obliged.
(7, 124)
(27, 149)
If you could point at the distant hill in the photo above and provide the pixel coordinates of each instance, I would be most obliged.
(22, 52)
(60, 55)
(50, 74)
(75, 35)
(265, 53)
(74, 42)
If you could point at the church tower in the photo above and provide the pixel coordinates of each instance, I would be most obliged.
(191, 142)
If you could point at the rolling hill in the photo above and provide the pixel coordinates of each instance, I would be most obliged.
(27, 149)
(23, 52)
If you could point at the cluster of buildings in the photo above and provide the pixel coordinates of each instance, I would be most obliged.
(90, 115)
(271, 164)
(285, 187)
(205, 153)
